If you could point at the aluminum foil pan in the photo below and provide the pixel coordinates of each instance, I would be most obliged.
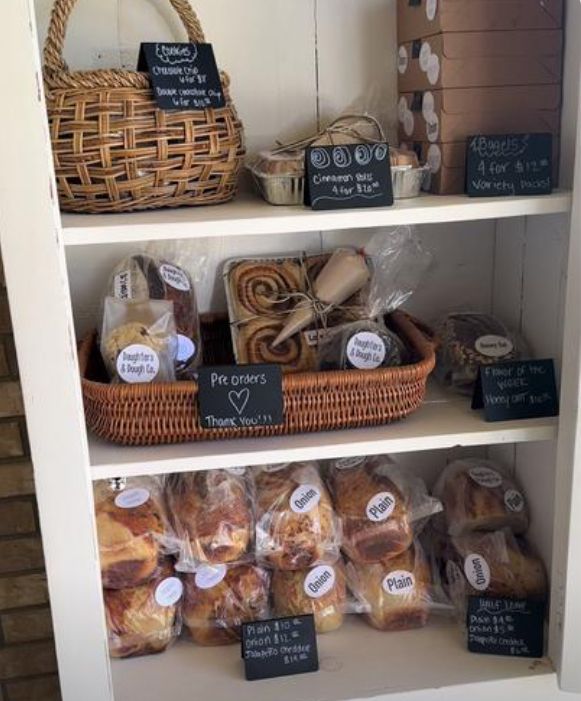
(407, 181)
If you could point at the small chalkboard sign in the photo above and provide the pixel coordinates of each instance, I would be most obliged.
(279, 647)
(352, 175)
(512, 164)
(241, 396)
(183, 76)
(521, 389)
(511, 627)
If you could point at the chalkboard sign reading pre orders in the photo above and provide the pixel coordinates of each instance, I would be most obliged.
(348, 176)
(509, 165)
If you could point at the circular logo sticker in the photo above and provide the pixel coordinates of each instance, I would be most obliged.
(493, 346)
(319, 581)
(408, 123)
(477, 571)
(169, 591)
(432, 127)
(428, 104)
(402, 60)
(238, 471)
(399, 583)
(137, 363)
(305, 498)
(365, 350)
(346, 463)
(434, 158)
(514, 500)
(425, 53)
(186, 348)
(132, 498)
(380, 507)
(431, 9)
(209, 576)
(175, 277)
(485, 477)
(433, 69)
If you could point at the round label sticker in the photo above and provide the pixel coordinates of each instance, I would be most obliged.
(433, 69)
(186, 348)
(137, 363)
(408, 123)
(402, 60)
(380, 507)
(434, 158)
(432, 127)
(428, 104)
(431, 9)
(169, 591)
(486, 477)
(477, 571)
(238, 471)
(399, 583)
(493, 346)
(514, 500)
(346, 463)
(365, 350)
(453, 573)
(402, 108)
(305, 498)
(132, 498)
(209, 576)
(175, 277)
(425, 53)
(319, 581)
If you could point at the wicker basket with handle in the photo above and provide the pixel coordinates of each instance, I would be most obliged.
(115, 151)
(149, 414)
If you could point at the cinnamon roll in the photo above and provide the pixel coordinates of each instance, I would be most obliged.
(255, 346)
(259, 287)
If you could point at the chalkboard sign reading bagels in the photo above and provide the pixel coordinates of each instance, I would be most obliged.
(183, 76)
(509, 165)
(347, 176)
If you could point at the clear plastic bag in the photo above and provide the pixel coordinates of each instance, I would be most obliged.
(212, 516)
(219, 598)
(478, 495)
(144, 620)
(296, 526)
(381, 506)
(396, 592)
(132, 529)
(138, 341)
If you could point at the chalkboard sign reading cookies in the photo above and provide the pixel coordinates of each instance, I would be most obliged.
(511, 627)
(279, 647)
(241, 396)
(513, 164)
(347, 176)
(183, 76)
(523, 389)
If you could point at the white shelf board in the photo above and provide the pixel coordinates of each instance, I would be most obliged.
(356, 662)
(444, 421)
(248, 215)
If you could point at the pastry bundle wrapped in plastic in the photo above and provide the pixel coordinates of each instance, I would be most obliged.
(138, 341)
(478, 495)
(381, 506)
(212, 517)
(142, 278)
(320, 590)
(467, 340)
(219, 598)
(296, 526)
(144, 620)
(397, 591)
(132, 529)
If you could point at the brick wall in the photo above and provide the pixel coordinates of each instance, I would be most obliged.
(27, 658)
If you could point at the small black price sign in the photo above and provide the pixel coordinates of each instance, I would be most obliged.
(521, 389)
(183, 76)
(279, 647)
(352, 175)
(512, 164)
(510, 627)
(241, 396)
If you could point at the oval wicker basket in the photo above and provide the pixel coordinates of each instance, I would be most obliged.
(149, 414)
(115, 151)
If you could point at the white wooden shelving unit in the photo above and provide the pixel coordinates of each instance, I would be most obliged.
(511, 256)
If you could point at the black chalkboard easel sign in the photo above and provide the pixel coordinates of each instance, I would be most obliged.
(183, 76)
(348, 176)
(521, 389)
(279, 647)
(510, 164)
(510, 627)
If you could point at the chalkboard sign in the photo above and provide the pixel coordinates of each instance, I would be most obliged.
(512, 627)
(279, 647)
(240, 396)
(183, 76)
(354, 175)
(524, 389)
(514, 164)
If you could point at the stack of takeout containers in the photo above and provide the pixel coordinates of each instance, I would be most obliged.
(470, 67)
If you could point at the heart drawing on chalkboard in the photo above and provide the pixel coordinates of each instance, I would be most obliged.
(239, 400)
